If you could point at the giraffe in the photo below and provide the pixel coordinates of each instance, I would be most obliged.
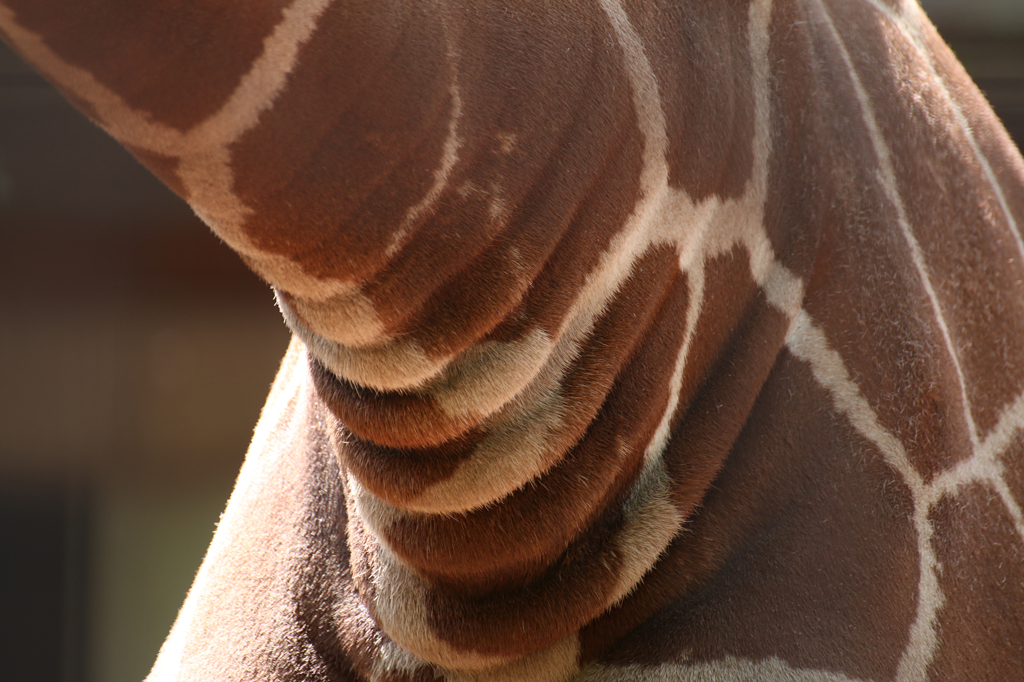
(632, 340)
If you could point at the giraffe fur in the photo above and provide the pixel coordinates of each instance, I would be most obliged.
(657, 340)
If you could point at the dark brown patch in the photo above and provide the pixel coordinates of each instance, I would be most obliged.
(395, 420)
(398, 475)
(868, 297)
(729, 289)
(483, 549)
(981, 622)
(810, 559)
(343, 192)
(361, 127)
(972, 258)
(700, 57)
(812, 168)
(178, 61)
(574, 586)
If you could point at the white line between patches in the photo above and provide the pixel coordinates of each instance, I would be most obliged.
(914, 37)
(890, 186)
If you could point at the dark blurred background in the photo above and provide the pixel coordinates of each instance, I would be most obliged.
(135, 353)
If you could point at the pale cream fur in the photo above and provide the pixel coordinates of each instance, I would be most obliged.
(349, 318)
(516, 449)
(557, 663)
(651, 521)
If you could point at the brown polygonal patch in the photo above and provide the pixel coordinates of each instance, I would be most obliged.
(981, 624)
(811, 560)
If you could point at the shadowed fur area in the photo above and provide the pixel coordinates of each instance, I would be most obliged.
(633, 340)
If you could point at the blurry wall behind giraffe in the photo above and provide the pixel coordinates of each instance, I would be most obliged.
(135, 353)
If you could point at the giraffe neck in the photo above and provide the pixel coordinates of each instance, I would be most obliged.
(578, 360)
(517, 450)
(525, 483)
(539, 520)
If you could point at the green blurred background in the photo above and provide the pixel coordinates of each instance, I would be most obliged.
(136, 353)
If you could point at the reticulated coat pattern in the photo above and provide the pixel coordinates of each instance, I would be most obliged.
(633, 340)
